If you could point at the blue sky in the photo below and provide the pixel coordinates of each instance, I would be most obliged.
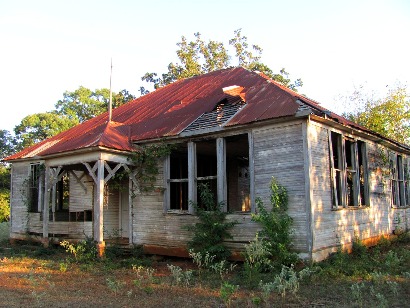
(49, 47)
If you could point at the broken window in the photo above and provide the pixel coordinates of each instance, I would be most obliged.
(178, 182)
(206, 168)
(231, 185)
(349, 171)
(399, 180)
(34, 186)
(238, 175)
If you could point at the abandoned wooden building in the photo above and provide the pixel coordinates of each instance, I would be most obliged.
(233, 129)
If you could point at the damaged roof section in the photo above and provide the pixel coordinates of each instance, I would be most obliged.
(211, 101)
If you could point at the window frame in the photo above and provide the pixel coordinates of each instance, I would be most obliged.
(194, 178)
(349, 180)
(399, 180)
(34, 188)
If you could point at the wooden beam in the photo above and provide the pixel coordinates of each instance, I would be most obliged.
(310, 211)
(221, 172)
(167, 183)
(91, 171)
(192, 192)
(251, 172)
(130, 213)
(99, 204)
(46, 204)
(111, 172)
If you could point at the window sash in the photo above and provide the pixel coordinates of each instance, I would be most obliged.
(349, 172)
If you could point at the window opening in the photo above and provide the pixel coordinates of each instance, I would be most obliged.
(179, 180)
(33, 187)
(207, 168)
(399, 180)
(238, 180)
(349, 171)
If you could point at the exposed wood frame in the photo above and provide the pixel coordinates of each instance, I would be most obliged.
(221, 173)
(167, 183)
(46, 204)
(130, 209)
(310, 213)
(192, 173)
(251, 172)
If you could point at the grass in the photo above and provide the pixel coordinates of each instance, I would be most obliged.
(4, 231)
(33, 276)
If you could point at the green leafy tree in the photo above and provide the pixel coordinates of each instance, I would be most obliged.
(7, 143)
(39, 126)
(83, 104)
(389, 115)
(199, 57)
(4, 193)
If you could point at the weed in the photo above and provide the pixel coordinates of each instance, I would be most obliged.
(114, 285)
(392, 259)
(179, 276)
(257, 259)
(83, 251)
(227, 292)
(63, 267)
(222, 268)
(287, 280)
(357, 292)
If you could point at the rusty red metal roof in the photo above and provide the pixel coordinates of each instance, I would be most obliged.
(170, 109)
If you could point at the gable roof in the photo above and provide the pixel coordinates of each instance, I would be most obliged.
(170, 110)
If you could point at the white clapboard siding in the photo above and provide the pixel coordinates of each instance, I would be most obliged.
(81, 199)
(111, 213)
(332, 228)
(18, 197)
(279, 153)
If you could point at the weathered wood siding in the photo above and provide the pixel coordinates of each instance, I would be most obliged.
(111, 213)
(81, 199)
(279, 153)
(18, 197)
(151, 226)
(333, 228)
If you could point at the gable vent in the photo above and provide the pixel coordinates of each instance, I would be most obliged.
(219, 116)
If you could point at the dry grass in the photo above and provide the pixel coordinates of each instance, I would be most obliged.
(31, 276)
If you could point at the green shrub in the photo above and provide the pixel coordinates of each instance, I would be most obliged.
(212, 228)
(276, 226)
(4, 205)
(83, 251)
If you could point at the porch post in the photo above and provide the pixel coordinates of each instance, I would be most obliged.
(251, 172)
(98, 209)
(130, 207)
(46, 206)
(191, 175)
(221, 172)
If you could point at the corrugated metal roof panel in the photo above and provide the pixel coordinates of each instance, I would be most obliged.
(171, 109)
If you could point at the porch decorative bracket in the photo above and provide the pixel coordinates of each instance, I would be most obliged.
(92, 170)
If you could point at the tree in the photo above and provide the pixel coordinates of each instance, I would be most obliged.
(39, 126)
(6, 143)
(84, 104)
(199, 57)
(388, 116)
